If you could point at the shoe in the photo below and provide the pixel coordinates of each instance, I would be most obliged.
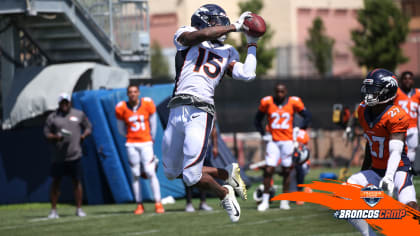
(80, 212)
(284, 205)
(53, 214)
(300, 203)
(263, 206)
(159, 208)
(230, 204)
(189, 208)
(307, 190)
(139, 210)
(205, 207)
(236, 181)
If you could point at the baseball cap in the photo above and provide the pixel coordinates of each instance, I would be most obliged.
(64, 96)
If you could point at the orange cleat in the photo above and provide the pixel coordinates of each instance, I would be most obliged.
(139, 210)
(307, 190)
(300, 203)
(159, 208)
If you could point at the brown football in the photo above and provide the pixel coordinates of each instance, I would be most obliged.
(256, 25)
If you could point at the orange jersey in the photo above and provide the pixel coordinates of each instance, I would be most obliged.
(377, 132)
(137, 122)
(410, 103)
(303, 137)
(280, 118)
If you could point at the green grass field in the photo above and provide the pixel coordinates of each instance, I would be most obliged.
(309, 219)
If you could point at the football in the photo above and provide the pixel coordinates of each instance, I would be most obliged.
(256, 25)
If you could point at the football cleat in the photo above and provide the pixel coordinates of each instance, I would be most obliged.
(236, 181)
(53, 214)
(159, 208)
(189, 208)
(284, 205)
(205, 207)
(80, 212)
(263, 206)
(230, 204)
(139, 210)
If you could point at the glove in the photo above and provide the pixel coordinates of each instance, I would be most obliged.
(239, 24)
(267, 137)
(295, 133)
(251, 40)
(387, 184)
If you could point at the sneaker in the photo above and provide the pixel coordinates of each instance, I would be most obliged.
(236, 181)
(80, 212)
(189, 208)
(230, 204)
(263, 206)
(205, 207)
(159, 208)
(139, 210)
(300, 203)
(53, 214)
(284, 205)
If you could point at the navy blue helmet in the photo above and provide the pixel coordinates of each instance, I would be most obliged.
(209, 15)
(379, 87)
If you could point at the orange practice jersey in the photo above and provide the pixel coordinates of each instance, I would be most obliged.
(410, 103)
(280, 118)
(378, 131)
(137, 123)
(303, 137)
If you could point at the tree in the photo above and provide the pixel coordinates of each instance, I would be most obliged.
(320, 47)
(383, 29)
(264, 55)
(159, 64)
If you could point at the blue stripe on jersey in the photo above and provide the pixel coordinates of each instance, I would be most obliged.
(180, 58)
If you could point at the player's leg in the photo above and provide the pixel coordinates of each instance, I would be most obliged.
(134, 160)
(188, 198)
(271, 159)
(149, 166)
(198, 125)
(286, 152)
(404, 189)
(172, 145)
(75, 171)
(412, 143)
(231, 174)
(57, 170)
(364, 178)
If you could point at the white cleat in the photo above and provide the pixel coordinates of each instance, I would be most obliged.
(205, 207)
(53, 214)
(284, 205)
(236, 181)
(80, 212)
(263, 206)
(230, 204)
(189, 208)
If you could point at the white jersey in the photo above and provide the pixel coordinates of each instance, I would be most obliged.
(200, 68)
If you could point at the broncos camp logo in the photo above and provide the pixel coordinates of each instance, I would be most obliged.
(371, 195)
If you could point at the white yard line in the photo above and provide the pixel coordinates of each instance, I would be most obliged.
(143, 232)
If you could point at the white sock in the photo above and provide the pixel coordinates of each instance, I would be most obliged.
(154, 184)
(136, 189)
(284, 202)
(266, 197)
(362, 226)
(411, 154)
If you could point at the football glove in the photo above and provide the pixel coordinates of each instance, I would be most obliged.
(267, 137)
(387, 184)
(239, 24)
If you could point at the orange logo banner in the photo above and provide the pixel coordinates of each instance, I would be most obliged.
(381, 211)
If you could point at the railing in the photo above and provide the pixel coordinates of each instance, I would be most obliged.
(125, 22)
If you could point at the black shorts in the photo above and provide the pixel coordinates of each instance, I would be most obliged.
(67, 168)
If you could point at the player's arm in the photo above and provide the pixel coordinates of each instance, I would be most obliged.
(307, 118)
(245, 71)
(258, 122)
(396, 145)
(122, 129)
(153, 125)
(206, 34)
(215, 149)
(87, 127)
(368, 159)
(49, 133)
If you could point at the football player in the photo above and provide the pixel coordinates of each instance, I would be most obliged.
(137, 122)
(201, 60)
(281, 141)
(385, 126)
(408, 98)
(301, 160)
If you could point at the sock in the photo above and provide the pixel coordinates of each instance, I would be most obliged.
(266, 197)
(411, 154)
(284, 202)
(154, 184)
(362, 226)
(136, 189)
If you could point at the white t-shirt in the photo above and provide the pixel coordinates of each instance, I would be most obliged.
(200, 68)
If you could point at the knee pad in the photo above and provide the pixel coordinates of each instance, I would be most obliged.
(191, 179)
(135, 169)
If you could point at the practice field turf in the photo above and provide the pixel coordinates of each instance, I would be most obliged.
(309, 219)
